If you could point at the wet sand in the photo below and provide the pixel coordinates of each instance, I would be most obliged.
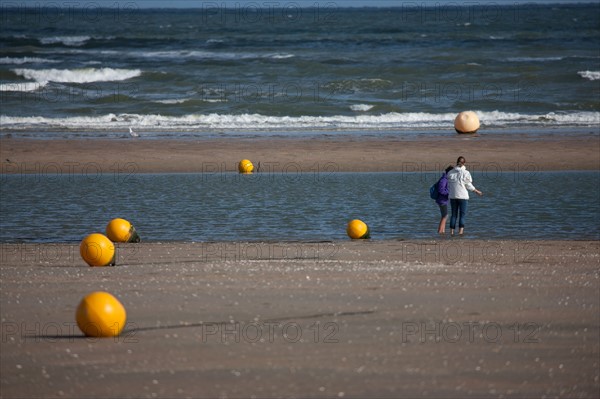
(308, 154)
(452, 318)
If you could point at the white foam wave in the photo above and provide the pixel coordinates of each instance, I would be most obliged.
(22, 87)
(201, 55)
(257, 122)
(83, 75)
(66, 40)
(172, 101)
(534, 59)
(190, 54)
(590, 75)
(376, 80)
(361, 107)
(281, 56)
(183, 100)
(26, 60)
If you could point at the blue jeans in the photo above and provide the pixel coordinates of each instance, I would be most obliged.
(458, 205)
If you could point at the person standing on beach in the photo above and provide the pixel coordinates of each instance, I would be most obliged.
(442, 199)
(459, 185)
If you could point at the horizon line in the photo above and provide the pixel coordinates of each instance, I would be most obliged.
(194, 4)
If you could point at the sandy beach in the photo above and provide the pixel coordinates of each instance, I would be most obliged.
(345, 153)
(247, 285)
(362, 319)
(449, 318)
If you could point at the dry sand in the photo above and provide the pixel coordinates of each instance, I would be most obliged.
(451, 318)
(309, 154)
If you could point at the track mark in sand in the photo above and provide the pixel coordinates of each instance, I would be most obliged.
(130, 332)
(320, 315)
(273, 320)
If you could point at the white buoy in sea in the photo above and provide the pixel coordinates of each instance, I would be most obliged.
(466, 122)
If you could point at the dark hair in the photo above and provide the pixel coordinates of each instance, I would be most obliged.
(449, 168)
(461, 160)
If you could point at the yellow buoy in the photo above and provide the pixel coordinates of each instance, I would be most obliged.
(245, 166)
(97, 250)
(358, 229)
(100, 314)
(120, 230)
(466, 122)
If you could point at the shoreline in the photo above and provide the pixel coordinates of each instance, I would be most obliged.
(344, 153)
(436, 240)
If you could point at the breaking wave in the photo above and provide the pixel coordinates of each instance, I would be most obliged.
(258, 122)
(83, 75)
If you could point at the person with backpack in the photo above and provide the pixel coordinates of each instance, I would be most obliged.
(439, 192)
(459, 185)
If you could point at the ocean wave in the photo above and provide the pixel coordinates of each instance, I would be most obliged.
(26, 60)
(281, 56)
(17, 36)
(21, 87)
(83, 75)
(590, 75)
(357, 85)
(74, 41)
(361, 107)
(534, 59)
(172, 101)
(200, 55)
(258, 122)
(191, 54)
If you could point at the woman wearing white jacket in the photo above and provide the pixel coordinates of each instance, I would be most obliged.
(459, 185)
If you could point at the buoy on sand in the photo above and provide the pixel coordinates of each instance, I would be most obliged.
(466, 122)
(97, 250)
(358, 229)
(100, 314)
(120, 230)
(245, 166)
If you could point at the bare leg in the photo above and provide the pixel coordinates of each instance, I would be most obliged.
(461, 231)
(442, 226)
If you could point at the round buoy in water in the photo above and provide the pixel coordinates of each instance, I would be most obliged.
(97, 250)
(245, 166)
(120, 230)
(358, 229)
(466, 122)
(100, 314)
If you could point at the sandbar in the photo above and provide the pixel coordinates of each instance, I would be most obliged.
(343, 153)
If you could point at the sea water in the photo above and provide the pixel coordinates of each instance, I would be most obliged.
(256, 68)
(294, 206)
